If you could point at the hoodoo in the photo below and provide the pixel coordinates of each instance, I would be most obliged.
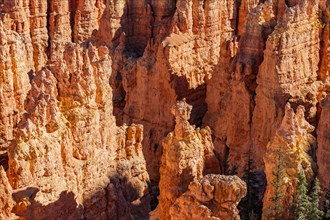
(172, 109)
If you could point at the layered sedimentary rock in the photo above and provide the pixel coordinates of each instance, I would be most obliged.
(127, 193)
(60, 26)
(66, 154)
(87, 16)
(287, 155)
(39, 31)
(72, 71)
(324, 66)
(212, 197)
(246, 97)
(180, 56)
(244, 8)
(230, 93)
(278, 80)
(15, 17)
(29, 19)
(197, 37)
(14, 82)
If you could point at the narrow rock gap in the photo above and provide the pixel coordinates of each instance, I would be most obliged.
(48, 49)
(239, 2)
(224, 164)
(72, 9)
(4, 160)
(324, 44)
(153, 20)
(118, 97)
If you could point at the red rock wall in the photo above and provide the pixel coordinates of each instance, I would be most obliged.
(323, 141)
(73, 72)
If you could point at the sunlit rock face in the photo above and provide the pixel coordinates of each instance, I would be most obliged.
(186, 158)
(211, 197)
(286, 156)
(68, 151)
(87, 89)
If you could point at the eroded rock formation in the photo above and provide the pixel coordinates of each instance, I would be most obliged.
(180, 56)
(67, 152)
(287, 155)
(72, 73)
(15, 82)
(212, 197)
(278, 80)
(186, 158)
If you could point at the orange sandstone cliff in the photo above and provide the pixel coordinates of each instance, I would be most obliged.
(87, 88)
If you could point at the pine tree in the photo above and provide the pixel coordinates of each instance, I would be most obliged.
(277, 209)
(327, 210)
(248, 177)
(229, 169)
(327, 204)
(250, 208)
(233, 170)
(314, 212)
(303, 204)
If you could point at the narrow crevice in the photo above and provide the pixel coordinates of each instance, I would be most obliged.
(225, 164)
(153, 15)
(154, 193)
(4, 160)
(118, 98)
(72, 10)
(237, 16)
(48, 49)
(324, 45)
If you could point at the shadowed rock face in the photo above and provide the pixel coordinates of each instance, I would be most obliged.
(323, 143)
(87, 86)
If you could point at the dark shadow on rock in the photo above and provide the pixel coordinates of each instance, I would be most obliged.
(122, 199)
(4, 160)
(125, 200)
(27, 207)
(250, 207)
(195, 97)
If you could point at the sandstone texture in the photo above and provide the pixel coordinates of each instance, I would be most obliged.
(55, 154)
(287, 155)
(187, 156)
(88, 90)
(212, 197)
(6, 201)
